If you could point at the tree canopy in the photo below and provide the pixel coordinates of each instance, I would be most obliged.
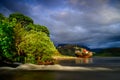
(23, 41)
(7, 47)
(2, 17)
(38, 28)
(24, 20)
(37, 44)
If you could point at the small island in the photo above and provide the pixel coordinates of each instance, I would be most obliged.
(83, 53)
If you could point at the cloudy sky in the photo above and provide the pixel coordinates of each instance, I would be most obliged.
(94, 23)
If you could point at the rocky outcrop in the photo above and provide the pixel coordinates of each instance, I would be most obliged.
(83, 53)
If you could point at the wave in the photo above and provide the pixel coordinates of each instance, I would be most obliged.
(55, 67)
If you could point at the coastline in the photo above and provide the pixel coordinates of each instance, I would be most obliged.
(58, 67)
(64, 57)
(55, 67)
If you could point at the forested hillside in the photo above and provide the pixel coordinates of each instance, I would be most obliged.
(69, 49)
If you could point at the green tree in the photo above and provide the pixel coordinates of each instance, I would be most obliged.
(19, 32)
(37, 46)
(38, 28)
(2, 17)
(24, 41)
(7, 47)
(24, 20)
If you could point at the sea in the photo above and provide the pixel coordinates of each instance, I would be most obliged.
(99, 68)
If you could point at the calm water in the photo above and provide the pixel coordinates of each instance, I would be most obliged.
(111, 63)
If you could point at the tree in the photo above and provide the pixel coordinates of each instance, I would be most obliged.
(24, 20)
(7, 47)
(37, 46)
(24, 41)
(2, 17)
(38, 28)
(19, 30)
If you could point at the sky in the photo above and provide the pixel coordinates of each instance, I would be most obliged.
(93, 23)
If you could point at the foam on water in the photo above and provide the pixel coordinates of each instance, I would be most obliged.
(56, 67)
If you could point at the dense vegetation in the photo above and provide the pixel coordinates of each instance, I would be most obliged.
(23, 41)
(69, 49)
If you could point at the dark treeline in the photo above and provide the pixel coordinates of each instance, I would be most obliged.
(108, 52)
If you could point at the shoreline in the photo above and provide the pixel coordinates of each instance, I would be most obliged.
(64, 57)
(56, 67)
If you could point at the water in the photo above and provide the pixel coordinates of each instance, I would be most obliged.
(110, 63)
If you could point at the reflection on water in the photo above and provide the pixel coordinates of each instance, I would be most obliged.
(83, 60)
(113, 63)
(27, 75)
(60, 75)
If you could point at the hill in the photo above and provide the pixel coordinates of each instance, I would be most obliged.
(108, 52)
(69, 49)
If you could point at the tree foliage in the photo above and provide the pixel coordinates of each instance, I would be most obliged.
(2, 17)
(24, 41)
(24, 20)
(38, 28)
(7, 46)
(37, 45)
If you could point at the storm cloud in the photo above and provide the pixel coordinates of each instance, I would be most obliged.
(94, 23)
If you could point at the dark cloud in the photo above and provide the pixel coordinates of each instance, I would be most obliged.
(4, 10)
(16, 6)
(87, 5)
(52, 4)
(115, 3)
(94, 23)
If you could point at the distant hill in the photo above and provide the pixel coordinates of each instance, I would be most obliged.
(66, 49)
(69, 49)
(79, 45)
(108, 52)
